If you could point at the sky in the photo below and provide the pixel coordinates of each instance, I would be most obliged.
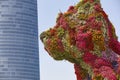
(47, 13)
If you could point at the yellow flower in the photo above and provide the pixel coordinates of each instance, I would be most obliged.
(98, 39)
(67, 14)
(82, 16)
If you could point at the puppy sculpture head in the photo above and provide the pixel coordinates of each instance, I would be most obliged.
(82, 34)
(83, 28)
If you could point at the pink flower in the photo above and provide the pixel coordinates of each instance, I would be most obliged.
(109, 55)
(84, 41)
(97, 7)
(107, 72)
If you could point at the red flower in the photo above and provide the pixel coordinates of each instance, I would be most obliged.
(105, 15)
(95, 61)
(72, 9)
(78, 72)
(52, 32)
(54, 44)
(91, 0)
(101, 62)
(84, 41)
(60, 45)
(85, 1)
(114, 45)
(110, 30)
(118, 68)
(89, 58)
(61, 22)
(93, 23)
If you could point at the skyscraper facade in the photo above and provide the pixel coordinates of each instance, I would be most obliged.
(19, 54)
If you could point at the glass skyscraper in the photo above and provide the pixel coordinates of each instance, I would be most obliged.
(19, 55)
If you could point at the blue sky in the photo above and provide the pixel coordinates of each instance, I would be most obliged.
(47, 13)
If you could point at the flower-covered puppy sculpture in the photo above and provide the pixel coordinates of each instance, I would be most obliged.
(84, 36)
